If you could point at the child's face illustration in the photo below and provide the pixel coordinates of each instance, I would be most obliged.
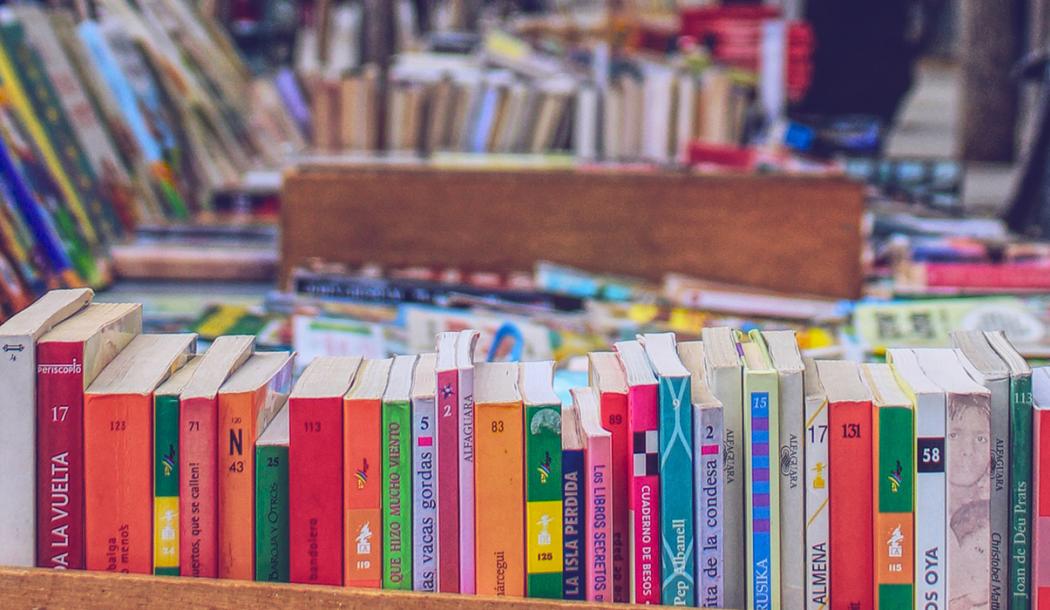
(970, 455)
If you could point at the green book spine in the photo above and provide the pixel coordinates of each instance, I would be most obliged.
(271, 513)
(543, 497)
(166, 486)
(1020, 491)
(895, 514)
(397, 495)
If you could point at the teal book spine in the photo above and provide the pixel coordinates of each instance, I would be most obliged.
(676, 492)
(543, 501)
(397, 495)
(166, 485)
(1020, 491)
(271, 513)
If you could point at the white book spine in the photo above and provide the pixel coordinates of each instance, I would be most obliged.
(710, 551)
(424, 495)
(467, 581)
(1000, 493)
(817, 531)
(930, 502)
(18, 451)
(792, 492)
(586, 124)
(727, 384)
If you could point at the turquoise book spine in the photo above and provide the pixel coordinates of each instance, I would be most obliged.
(676, 492)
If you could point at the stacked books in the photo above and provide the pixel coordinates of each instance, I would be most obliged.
(727, 472)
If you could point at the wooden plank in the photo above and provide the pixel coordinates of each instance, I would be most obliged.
(37, 588)
(792, 234)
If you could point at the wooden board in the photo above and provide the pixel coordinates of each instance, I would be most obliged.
(792, 234)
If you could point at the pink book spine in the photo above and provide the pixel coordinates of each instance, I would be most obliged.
(645, 495)
(598, 465)
(467, 584)
(448, 481)
(1041, 481)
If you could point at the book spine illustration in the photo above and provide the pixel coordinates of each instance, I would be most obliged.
(969, 501)
(727, 385)
(363, 527)
(1041, 510)
(166, 486)
(424, 496)
(817, 535)
(272, 547)
(1020, 490)
(315, 496)
(645, 495)
(676, 493)
(397, 496)
(894, 489)
(931, 550)
(999, 571)
(760, 430)
(575, 552)
(60, 456)
(448, 480)
(500, 497)
(615, 419)
(792, 492)
(236, 478)
(599, 507)
(467, 569)
(851, 515)
(18, 442)
(117, 530)
(710, 547)
(198, 488)
(543, 514)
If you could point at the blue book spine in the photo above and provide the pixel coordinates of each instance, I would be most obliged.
(761, 515)
(574, 567)
(37, 219)
(676, 492)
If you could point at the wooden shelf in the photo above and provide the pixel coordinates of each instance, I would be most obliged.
(790, 234)
(37, 588)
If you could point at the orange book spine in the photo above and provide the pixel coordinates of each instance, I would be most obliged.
(237, 413)
(499, 498)
(118, 480)
(362, 500)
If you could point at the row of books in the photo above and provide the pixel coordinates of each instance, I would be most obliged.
(727, 472)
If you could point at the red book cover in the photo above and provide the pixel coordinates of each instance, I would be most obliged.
(315, 497)
(614, 416)
(448, 480)
(987, 275)
(850, 509)
(644, 492)
(198, 487)
(60, 455)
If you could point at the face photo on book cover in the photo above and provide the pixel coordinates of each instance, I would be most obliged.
(969, 468)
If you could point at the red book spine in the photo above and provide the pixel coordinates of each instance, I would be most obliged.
(850, 509)
(614, 418)
(315, 496)
(448, 480)
(645, 493)
(988, 275)
(60, 456)
(198, 488)
(1041, 512)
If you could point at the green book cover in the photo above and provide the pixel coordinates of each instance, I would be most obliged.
(896, 506)
(543, 497)
(1020, 489)
(397, 495)
(166, 485)
(271, 513)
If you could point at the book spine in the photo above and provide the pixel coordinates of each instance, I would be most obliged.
(574, 550)
(893, 444)
(615, 419)
(117, 528)
(397, 496)
(198, 488)
(727, 385)
(710, 547)
(762, 505)
(598, 461)
(1020, 490)
(792, 492)
(850, 504)
(645, 495)
(543, 513)
(1041, 510)
(18, 442)
(315, 496)
(500, 500)
(272, 544)
(448, 480)
(363, 533)
(817, 527)
(676, 493)
(424, 496)
(60, 456)
(931, 550)
(236, 478)
(166, 486)
(467, 575)
(1000, 493)
(969, 498)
